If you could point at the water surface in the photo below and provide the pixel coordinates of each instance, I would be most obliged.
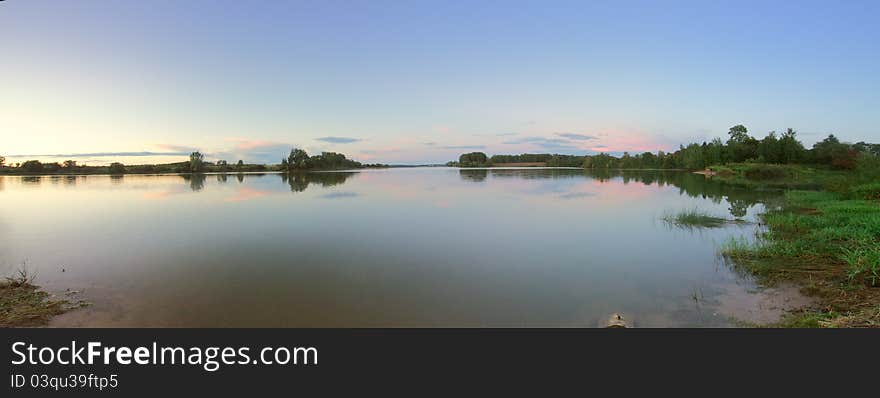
(396, 247)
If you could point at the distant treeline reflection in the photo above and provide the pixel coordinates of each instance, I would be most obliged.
(298, 182)
(690, 184)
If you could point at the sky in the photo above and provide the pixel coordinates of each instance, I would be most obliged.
(422, 82)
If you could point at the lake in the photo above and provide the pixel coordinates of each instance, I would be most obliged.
(382, 248)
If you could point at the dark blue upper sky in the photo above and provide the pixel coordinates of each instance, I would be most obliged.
(421, 81)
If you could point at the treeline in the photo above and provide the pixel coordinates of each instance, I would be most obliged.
(740, 147)
(196, 164)
(298, 160)
(479, 159)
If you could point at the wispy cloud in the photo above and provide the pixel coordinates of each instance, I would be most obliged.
(176, 148)
(464, 147)
(577, 137)
(338, 140)
(544, 142)
(105, 154)
(494, 134)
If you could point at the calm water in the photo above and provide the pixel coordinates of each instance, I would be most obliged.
(398, 247)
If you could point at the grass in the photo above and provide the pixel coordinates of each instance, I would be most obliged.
(694, 218)
(23, 304)
(827, 242)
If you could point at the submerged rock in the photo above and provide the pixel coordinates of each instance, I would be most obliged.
(616, 321)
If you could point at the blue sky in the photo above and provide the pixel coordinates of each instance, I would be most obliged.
(407, 82)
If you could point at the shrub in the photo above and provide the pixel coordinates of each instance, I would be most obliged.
(765, 172)
(870, 191)
(117, 168)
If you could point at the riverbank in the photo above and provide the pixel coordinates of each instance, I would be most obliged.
(23, 304)
(827, 241)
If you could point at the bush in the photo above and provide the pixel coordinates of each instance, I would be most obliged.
(869, 191)
(117, 168)
(32, 166)
(765, 172)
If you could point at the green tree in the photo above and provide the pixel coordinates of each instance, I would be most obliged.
(823, 150)
(769, 150)
(473, 159)
(742, 146)
(715, 152)
(692, 157)
(117, 168)
(196, 162)
(2, 161)
(790, 149)
(239, 166)
(69, 164)
(298, 159)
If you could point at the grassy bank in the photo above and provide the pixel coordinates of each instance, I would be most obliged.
(829, 243)
(759, 175)
(23, 304)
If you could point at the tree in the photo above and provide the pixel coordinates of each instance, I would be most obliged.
(2, 161)
(32, 166)
(738, 134)
(196, 162)
(769, 149)
(117, 168)
(69, 164)
(823, 150)
(473, 159)
(692, 157)
(790, 149)
(715, 152)
(239, 166)
(298, 159)
(742, 146)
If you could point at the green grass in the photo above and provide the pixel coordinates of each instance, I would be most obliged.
(869, 191)
(694, 218)
(826, 240)
(819, 226)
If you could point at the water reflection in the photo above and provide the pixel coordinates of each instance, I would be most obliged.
(395, 247)
(740, 199)
(196, 181)
(300, 181)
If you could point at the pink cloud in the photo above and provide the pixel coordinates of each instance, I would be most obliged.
(244, 144)
(245, 194)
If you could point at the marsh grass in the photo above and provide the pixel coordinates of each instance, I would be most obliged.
(694, 218)
(23, 304)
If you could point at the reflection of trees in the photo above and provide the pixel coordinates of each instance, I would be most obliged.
(240, 178)
(475, 175)
(300, 181)
(31, 180)
(740, 198)
(196, 180)
(221, 178)
(694, 185)
(116, 179)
